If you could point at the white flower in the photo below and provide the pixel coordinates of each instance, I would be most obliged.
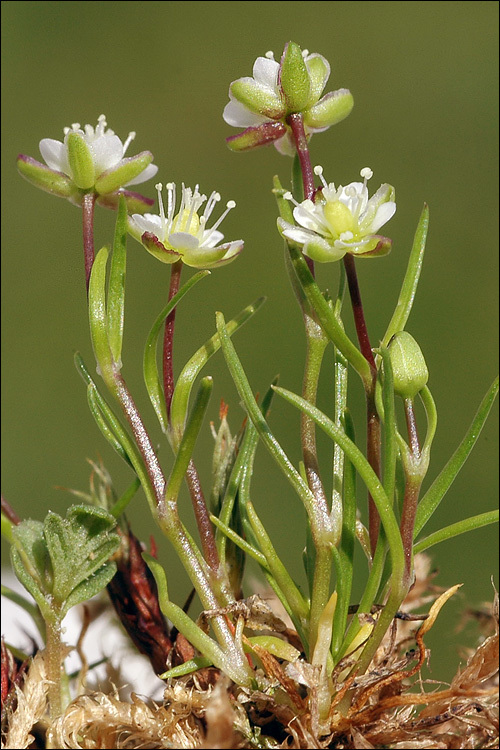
(342, 220)
(183, 234)
(95, 158)
(262, 103)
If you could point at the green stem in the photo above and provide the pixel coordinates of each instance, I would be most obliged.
(53, 663)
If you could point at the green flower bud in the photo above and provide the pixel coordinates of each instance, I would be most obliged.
(294, 78)
(410, 372)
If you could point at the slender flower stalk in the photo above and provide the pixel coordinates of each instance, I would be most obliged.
(168, 338)
(88, 204)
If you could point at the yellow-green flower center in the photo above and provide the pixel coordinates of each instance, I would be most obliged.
(339, 218)
(186, 221)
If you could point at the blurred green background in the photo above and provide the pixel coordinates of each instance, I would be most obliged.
(424, 80)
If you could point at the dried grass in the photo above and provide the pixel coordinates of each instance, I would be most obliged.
(390, 706)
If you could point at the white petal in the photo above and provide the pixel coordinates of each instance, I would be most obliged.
(146, 174)
(285, 145)
(211, 238)
(384, 212)
(265, 72)
(55, 155)
(297, 234)
(107, 152)
(183, 241)
(148, 223)
(236, 114)
(310, 216)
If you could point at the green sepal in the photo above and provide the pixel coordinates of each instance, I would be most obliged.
(331, 109)
(126, 170)
(318, 76)
(294, 78)
(254, 136)
(80, 161)
(257, 99)
(47, 179)
(136, 203)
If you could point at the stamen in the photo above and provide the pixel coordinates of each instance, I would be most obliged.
(159, 188)
(101, 125)
(318, 170)
(170, 201)
(366, 173)
(270, 55)
(75, 126)
(305, 53)
(212, 201)
(129, 140)
(229, 206)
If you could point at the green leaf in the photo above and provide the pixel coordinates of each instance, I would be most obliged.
(454, 529)
(90, 586)
(200, 640)
(30, 558)
(186, 379)
(150, 368)
(98, 315)
(116, 286)
(363, 468)
(410, 281)
(444, 480)
(78, 545)
(255, 414)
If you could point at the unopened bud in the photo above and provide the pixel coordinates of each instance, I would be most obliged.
(410, 372)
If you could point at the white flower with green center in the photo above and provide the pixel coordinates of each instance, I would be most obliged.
(89, 160)
(262, 103)
(183, 234)
(341, 220)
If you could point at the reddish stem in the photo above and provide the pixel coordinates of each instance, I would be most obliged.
(168, 338)
(10, 513)
(373, 436)
(88, 203)
(202, 518)
(296, 123)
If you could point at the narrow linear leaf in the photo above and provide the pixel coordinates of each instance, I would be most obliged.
(240, 542)
(122, 503)
(121, 435)
(444, 480)
(200, 640)
(103, 424)
(98, 315)
(255, 414)
(116, 285)
(363, 468)
(150, 367)
(188, 441)
(410, 281)
(186, 379)
(455, 529)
